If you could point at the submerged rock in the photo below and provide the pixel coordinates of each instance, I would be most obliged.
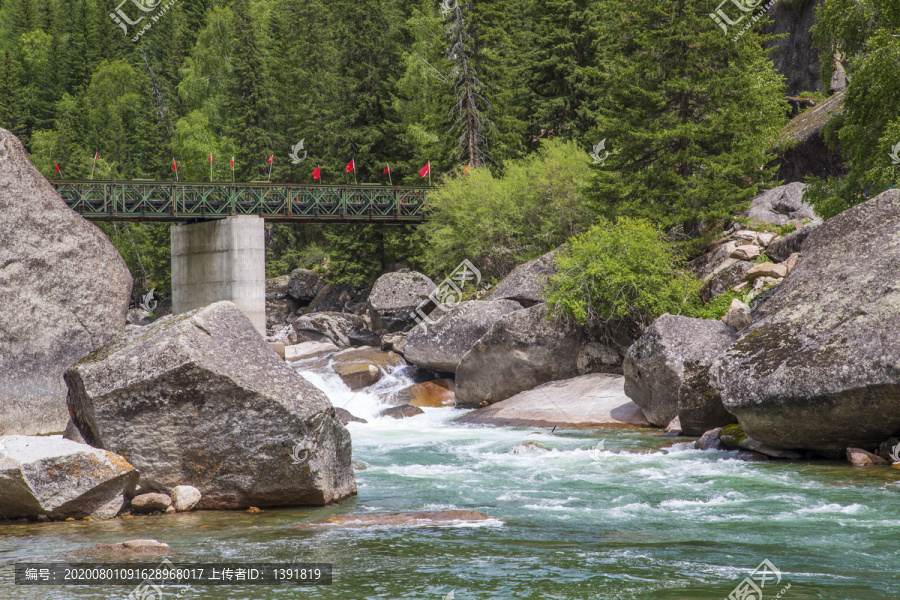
(441, 342)
(129, 549)
(588, 401)
(403, 411)
(198, 399)
(61, 479)
(430, 394)
(362, 367)
(654, 365)
(64, 291)
(818, 368)
(410, 519)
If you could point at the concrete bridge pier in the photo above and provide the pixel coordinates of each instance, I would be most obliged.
(221, 260)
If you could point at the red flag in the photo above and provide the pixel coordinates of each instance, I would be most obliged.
(232, 162)
(57, 168)
(174, 165)
(466, 170)
(351, 166)
(387, 170)
(96, 156)
(271, 158)
(210, 157)
(424, 172)
(317, 174)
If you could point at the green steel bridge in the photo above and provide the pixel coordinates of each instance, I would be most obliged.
(143, 200)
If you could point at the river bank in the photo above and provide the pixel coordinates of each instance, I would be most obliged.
(645, 517)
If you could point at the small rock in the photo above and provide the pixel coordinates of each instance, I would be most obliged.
(746, 252)
(861, 458)
(764, 282)
(710, 440)
(744, 234)
(738, 315)
(741, 287)
(361, 367)
(766, 238)
(673, 429)
(185, 497)
(766, 269)
(393, 341)
(791, 261)
(401, 412)
(750, 456)
(147, 503)
(359, 466)
(345, 416)
(170, 510)
(254, 509)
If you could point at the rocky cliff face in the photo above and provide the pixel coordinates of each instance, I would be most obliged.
(794, 55)
(64, 291)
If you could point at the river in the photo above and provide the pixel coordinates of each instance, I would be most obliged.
(609, 515)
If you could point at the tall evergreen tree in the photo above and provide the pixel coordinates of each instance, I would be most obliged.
(11, 110)
(688, 115)
(246, 109)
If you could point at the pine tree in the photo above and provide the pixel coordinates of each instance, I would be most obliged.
(688, 115)
(11, 110)
(564, 75)
(245, 105)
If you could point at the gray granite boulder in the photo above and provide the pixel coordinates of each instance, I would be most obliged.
(526, 283)
(817, 369)
(442, 341)
(325, 326)
(64, 290)
(197, 399)
(53, 477)
(782, 205)
(654, 365)
(522, 350)
(304, 285)
(395, 297)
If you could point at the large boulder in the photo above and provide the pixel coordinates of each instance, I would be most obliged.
(198, 399)
(782, 205)
(339, 297)
(817, 370)
(64, 290)
(526, 283)
(395, 298)
(57, 478)
(304, 285)
(522, 350)
(654, 365)
(586, 401)
(442, 341)
(325, 326)
(780, 250)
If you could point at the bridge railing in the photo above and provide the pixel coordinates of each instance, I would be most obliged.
(176, 201)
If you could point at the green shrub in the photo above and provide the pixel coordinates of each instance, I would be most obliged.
(622, 271)
(498, 223)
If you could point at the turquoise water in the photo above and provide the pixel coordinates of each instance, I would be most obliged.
(641, 519)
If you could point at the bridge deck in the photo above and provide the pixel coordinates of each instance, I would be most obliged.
(141, 200)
